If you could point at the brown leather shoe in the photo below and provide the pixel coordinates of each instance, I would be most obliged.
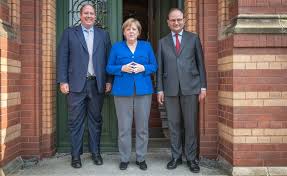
(172, 164)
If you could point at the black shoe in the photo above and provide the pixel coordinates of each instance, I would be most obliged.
(123, 165)
(97, 159)
(193, 166)
(76, 162)
(172, 164)
(142, 165)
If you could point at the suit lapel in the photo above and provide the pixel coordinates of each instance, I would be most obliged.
(183, 42)
(81, 37)
(170, 43)
(97, 39)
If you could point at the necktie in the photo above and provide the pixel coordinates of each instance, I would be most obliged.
(177, 44)
(90, 43)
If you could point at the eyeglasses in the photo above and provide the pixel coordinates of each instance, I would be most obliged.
(179, 20)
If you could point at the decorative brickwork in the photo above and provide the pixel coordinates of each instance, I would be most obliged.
(252, 89)
(11, 68)
(191, 15)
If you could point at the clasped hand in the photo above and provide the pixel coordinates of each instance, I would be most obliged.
(133, 67)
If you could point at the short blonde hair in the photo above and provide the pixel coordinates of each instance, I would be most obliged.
(131, 21)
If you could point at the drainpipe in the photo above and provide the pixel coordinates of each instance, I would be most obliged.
(180, 4)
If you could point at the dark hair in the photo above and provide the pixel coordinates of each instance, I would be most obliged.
(87, 4)
(174, 9)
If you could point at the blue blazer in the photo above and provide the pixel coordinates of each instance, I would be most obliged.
(129, 84)
(73, 58)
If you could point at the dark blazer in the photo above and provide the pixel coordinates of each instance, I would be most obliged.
(185, 69)
(73, 58)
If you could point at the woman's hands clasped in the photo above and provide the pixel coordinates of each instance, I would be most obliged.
(133, 67)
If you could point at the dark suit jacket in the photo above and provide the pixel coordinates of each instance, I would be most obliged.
(73, 58)
(185, 69)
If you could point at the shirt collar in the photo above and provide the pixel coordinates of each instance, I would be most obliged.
(85, 29)
(180, 33)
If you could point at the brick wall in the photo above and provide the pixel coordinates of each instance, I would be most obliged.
(27, 78)
(11, 67)
(252, 90)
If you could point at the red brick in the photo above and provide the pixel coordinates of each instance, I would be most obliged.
(264, 124)
(245, 155)
(248, 162)
(262, 3)
(275, 162)
(269, 147)
(276, 124)
(276, 3)
(258, 10)
(247, 3)
(269, 155)
(242, 147)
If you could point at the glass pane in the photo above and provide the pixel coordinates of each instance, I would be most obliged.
(99, 5)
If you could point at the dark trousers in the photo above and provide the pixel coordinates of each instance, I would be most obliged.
(87, 103)
(183, 107)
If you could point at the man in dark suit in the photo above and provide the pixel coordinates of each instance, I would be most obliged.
(181, 84)
(82, 58)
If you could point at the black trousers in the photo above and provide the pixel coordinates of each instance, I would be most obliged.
(86, 104)
(183, 109)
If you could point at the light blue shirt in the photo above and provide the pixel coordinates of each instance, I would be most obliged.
(89, 36)
(85, 32)
(179, 37)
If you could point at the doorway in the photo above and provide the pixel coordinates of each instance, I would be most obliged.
(110, 15)
(151, 15)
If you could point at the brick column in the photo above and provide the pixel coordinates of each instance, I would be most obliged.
(37, 79)
(48, 77)
(252, 94)
(31, 78)
(201, 18)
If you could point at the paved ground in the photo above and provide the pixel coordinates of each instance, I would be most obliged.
(156, 160)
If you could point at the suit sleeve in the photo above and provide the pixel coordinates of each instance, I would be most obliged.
(200, 62)
(160, 68)
(63, 58)
(112, 67)
(109, 78)
(151, 67)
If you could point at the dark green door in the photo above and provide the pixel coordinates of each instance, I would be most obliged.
(109, 17)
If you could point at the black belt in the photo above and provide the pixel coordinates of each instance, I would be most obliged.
(90, 77)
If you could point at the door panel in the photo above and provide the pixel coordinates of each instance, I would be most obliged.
(109, 18)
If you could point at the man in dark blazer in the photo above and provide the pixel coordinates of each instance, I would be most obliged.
(81, 62)
(181, 84)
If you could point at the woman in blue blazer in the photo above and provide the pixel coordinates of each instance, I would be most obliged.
(132, 62)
